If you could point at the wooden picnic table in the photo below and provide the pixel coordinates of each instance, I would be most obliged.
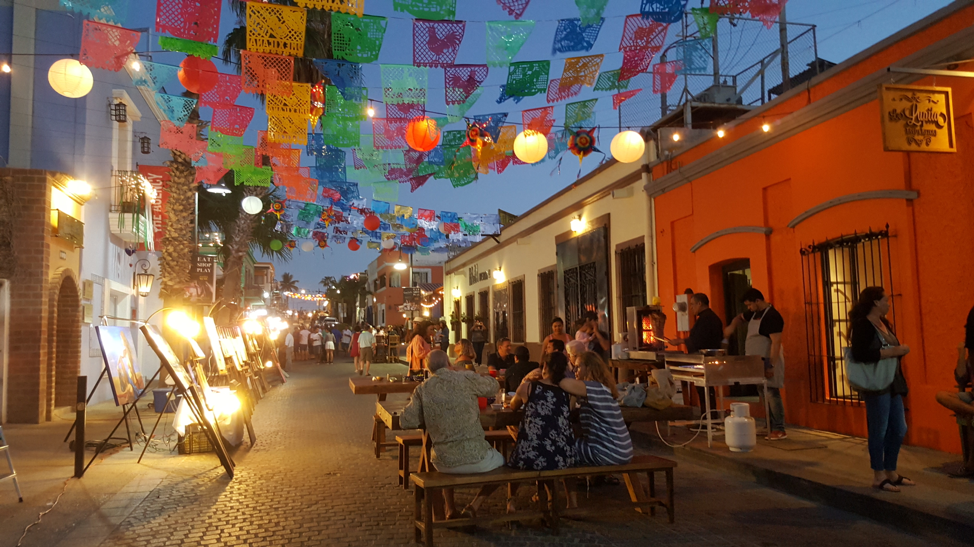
(389, 412)
(364, 385)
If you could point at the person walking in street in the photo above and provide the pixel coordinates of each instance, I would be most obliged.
(707, 333)
(366, 348)
(478, 337)
(346, 340)
(446, 407)
(328, 355)
(356, 354)
(962, 402)
(315, 339)
(303, 343)
(764, 327)
(872, 339)
(418, 349)
(289, 348)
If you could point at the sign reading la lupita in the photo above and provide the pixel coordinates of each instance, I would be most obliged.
(917, 118)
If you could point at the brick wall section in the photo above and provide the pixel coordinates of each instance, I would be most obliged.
(64, 340)
(29, 294)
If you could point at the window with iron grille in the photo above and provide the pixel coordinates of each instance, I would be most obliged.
(517, 311)
(834, 273)
(581, 292)
(547, 301)
(484, 310)
(470, 313)
(631, 262)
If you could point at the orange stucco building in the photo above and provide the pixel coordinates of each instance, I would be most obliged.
(802, 212)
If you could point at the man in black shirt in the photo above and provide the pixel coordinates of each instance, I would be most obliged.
(764, 327)
(503, 359)
(599, 340)
(522, 366)
(707, 333)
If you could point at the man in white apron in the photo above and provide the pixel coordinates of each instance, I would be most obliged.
(764, 328)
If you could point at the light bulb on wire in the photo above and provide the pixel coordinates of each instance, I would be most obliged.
(371, 110)
(765, 128)
(5, 68)
(136, 65)
(720, 133)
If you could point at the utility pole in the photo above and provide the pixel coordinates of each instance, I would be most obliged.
(785, 66)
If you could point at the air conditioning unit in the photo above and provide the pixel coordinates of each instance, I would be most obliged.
(719, 94)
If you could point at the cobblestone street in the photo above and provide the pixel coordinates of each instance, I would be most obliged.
(312, 480)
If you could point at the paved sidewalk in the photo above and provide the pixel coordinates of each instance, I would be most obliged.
(311, 479)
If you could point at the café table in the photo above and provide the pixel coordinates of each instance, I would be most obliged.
(365, 385)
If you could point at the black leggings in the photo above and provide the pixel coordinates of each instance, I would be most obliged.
(479, 348)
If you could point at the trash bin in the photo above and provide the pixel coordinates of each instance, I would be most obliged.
(159, 400)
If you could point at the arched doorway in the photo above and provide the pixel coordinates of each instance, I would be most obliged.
(64, 348)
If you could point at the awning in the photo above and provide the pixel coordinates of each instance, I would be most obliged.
(430, 287)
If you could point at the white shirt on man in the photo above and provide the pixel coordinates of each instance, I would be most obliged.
(366, 339)
(315, 338)
(289, 340)
(346, 336)
(303, 337)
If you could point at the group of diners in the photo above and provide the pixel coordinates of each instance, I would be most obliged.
(446, 406)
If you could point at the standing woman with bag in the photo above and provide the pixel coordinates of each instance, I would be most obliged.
(418, 349)
(875, 352)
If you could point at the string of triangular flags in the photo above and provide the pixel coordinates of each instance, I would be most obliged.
(406, 146)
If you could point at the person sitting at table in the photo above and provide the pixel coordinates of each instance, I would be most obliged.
(545, 439)
(503, 359)
(554, 346)
(418, 349)
(605, 438)
(962, 402)
(574, 350)
(446, 407)
(557, 332)
(466, 355)
(522, 366)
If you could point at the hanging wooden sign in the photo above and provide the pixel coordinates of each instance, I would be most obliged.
(917, 118)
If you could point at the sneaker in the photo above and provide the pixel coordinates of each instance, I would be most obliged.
(776, 436)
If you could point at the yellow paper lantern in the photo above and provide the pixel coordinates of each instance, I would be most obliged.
(530, 146)
(628, 147)
(70, 78)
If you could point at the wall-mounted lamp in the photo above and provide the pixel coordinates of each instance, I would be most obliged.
(143, 280)
(118, 112)
(145, 143)
(456, 292)
(578, 224)
(498, 275)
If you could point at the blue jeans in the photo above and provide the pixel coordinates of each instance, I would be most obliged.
(886, 423)
(776, 408)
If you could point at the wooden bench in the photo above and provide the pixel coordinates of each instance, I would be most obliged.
(641, 498)
(500, 440)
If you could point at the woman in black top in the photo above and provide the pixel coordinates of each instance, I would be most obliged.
(872, 339)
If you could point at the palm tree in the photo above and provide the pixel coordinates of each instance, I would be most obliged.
(288, 283)
(178, 251)
(242, 231)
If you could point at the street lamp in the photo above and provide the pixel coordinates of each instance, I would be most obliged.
(143, 281)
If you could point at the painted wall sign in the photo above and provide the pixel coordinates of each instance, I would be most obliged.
(917, 118)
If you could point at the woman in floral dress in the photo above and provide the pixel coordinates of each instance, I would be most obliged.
(545, 439)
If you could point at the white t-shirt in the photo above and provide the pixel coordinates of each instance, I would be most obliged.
(366, 339)
(346, 336)
(289, 340)
(315, 339)
(303, 337)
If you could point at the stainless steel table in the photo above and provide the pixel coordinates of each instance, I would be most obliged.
(716, 371)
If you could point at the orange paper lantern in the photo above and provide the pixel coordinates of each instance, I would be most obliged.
(372, 223)
(422, 134)
(197, 75)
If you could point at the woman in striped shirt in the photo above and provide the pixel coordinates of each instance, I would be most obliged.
(605, 438)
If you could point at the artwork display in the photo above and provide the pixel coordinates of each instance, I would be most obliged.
(121, 361)
(215, 345)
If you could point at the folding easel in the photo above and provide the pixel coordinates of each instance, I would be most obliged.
(5, 448)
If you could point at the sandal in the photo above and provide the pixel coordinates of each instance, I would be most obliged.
(886, 486)
(903, 481)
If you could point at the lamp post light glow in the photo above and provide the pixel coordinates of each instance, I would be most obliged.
(181, 323)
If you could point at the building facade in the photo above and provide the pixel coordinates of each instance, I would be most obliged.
(423, 272)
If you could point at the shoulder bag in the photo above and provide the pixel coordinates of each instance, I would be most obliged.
(870, 376)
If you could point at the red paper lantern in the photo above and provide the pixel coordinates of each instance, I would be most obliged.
(422, 134)
(372, 223)
(198, 75)
(353, 244)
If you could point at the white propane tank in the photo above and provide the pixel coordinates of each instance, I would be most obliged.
(739, 430)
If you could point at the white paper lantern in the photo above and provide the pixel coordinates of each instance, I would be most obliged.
(252, 205)
(307, 246)
(388, 243)
(70, 78)
(530, 146)
(628, 147)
